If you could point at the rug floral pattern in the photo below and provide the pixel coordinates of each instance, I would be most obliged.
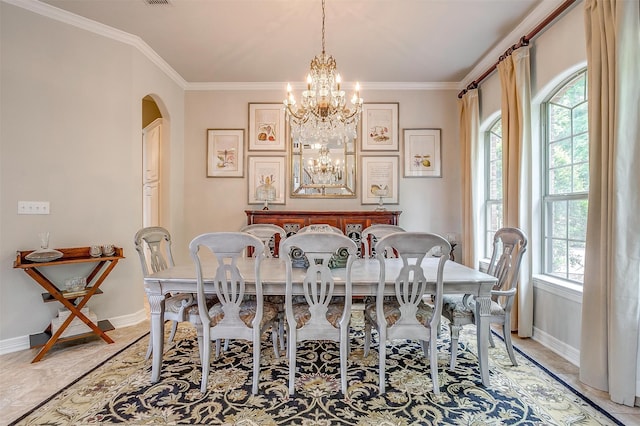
(120, 391)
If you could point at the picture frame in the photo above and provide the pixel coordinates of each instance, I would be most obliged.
(379, 127)
(225, 153)
(380, 176)
(267, 169)
(266, 127)
(422, 153)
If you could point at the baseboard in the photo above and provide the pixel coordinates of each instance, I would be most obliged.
(567, 352)
(20, 343)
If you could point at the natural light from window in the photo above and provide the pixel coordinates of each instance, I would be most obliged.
(493, 191)
(566, 180)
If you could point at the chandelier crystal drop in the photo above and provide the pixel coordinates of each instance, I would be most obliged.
(323, 114)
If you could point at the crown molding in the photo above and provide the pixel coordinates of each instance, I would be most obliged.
(63, 16)
(281, 86)
(544, 9)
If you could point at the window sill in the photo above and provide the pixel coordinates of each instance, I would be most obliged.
(558, 287)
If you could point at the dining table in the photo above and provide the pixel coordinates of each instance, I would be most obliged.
(457, 279)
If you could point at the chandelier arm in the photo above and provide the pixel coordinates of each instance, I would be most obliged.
(290, 111)
(355, 112)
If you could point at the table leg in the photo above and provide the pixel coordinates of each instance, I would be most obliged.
(483, 310)
(156, 305)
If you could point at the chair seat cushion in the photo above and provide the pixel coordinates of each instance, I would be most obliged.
(455, 311)
(247, 312)
(302, 314)
(179, 301)
(392, 313)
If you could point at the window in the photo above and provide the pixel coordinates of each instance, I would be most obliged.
(493, 191)
(566, 184)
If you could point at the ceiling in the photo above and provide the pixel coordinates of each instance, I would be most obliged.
(403, 41)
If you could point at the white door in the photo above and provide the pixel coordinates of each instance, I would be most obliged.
(151, 204)
(151, 138)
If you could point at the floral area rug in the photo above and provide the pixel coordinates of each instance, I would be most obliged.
(120, 391)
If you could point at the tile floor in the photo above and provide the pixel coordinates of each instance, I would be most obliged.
(23, 385)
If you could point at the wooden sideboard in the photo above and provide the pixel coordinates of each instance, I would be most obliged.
(352, 223)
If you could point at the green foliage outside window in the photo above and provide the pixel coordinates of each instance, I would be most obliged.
(567, 180)
(493, 198)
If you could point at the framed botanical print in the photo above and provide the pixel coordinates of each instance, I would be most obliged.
(380, 180)
(266, 173)
(380, 127)
(422, 154)
(225, 152)
(266, 127)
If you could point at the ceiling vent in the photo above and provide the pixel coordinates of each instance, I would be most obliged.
(157, 2)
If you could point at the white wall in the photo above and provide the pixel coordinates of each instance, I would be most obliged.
(71, 135)
(555, 55)
(427, 204)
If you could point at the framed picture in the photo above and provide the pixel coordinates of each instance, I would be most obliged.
(380, 127)
(266, 127)
(422, 155)
(225, 152)
(267, 172)
(380, 180)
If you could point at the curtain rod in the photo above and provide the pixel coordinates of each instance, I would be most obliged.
(524, 41)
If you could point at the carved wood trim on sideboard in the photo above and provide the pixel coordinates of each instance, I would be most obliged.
(352, 223)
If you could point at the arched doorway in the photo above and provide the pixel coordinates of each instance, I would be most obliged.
(152, 123)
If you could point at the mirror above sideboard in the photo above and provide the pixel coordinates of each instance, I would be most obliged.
(326, 169)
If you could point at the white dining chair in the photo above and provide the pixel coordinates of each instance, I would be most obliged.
(373, 233)
(509, 246)
(318, 315)
(153, 245)
(405, 315)
(271, 236)
(234, 316)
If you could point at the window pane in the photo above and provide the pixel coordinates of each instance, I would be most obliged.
(560, 180)
(559, 219)
(559, 258)
(495, 180)
(493, 184)
(576, 261)
(581, 148)
(581, 177)
(572, 93)
(578, 219)
(580, 122)
(494, 217)
(559, 122)
(560, 153)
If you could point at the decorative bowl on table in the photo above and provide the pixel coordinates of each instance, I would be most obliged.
(75, 284)
(44, 255)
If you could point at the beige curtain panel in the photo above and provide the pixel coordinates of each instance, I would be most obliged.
(515, 80)
(609, 354)
(469, 115)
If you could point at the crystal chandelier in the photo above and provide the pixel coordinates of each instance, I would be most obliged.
(323, 170)
(323, 114)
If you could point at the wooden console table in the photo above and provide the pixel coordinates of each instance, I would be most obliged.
(74, 301)
(352, 223)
